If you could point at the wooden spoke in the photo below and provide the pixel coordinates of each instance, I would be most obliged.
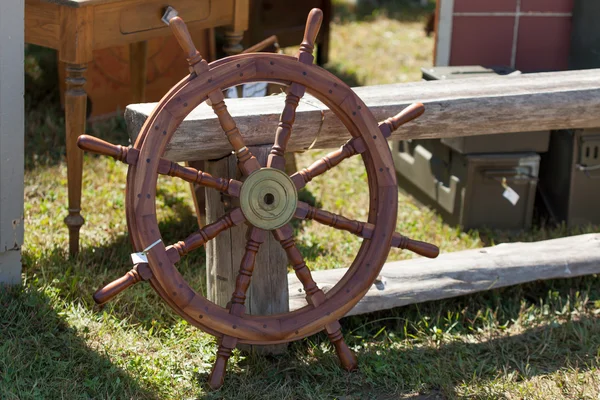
(313, 24)
(130, 155)
(314, 295)
(256, 237)
(203, 235)
(217, 375)
(295, 92)
(246, 161)
(140, 272)
(284, 128)
(285, 236)
(411, 112)
(180, 31)
(350, 148)
(346, 356)
(231, 187)
(354, 146)
(363, 229)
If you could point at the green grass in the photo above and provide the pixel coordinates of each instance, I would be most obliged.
(536, 341)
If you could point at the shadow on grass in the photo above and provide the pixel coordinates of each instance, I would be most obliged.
(311, 369)
(96, 266)
(394, 362)
(42, 357)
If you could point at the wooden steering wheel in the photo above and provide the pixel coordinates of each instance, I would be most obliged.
(268, 198)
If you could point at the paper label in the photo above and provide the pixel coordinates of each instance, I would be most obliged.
(138, 258)
(232, 93)
(510, 195)
(257, 89)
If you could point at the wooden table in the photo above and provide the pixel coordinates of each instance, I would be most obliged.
(77, 27)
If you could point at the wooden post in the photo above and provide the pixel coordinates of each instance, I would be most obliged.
(11, 140)
(268, 292)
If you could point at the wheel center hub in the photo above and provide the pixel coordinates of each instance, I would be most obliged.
(268, 198)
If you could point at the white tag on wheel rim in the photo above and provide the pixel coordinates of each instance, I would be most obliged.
(232, 93)
(256, 89)
(141, 257)
(510, 195)
(138, 258)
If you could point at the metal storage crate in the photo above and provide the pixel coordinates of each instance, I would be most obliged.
(501, 143)
(467, 190)
(570, 176)
(535, 142)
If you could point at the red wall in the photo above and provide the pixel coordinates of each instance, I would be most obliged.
(483, 33)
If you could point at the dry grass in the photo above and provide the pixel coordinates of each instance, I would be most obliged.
(380, 51)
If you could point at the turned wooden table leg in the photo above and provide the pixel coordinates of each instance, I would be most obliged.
(233, 43)
(138, 53)
(75, 119)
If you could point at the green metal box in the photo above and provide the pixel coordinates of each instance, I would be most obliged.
(467, 190)
(570, 176)
(522, 142)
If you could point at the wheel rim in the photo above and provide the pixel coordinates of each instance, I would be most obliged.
(142, 214)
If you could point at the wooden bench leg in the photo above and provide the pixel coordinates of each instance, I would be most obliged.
(233, 43)
(75, 120)
(198, 194)
(268, 291)
(138, 53)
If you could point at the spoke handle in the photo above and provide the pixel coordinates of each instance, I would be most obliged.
(411, 112)
(99, 146)
(416, 246)
(182, 34)
(313, 24)
(141, 272)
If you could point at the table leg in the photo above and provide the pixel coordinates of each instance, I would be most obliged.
(233, 43)
(138, 53)
(75, 120)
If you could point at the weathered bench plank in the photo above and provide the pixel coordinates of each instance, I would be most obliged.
(478, 106)
(464, 272)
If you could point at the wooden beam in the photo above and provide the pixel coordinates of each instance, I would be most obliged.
(461, 107)
(465, 272)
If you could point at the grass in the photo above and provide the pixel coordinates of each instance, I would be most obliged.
(536, 341)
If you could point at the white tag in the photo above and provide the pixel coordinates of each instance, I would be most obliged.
(141, 256)
(138, 258)
(256, 89)
(232, 93)
(510, 195)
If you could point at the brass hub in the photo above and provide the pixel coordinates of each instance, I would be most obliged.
(268, 198)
